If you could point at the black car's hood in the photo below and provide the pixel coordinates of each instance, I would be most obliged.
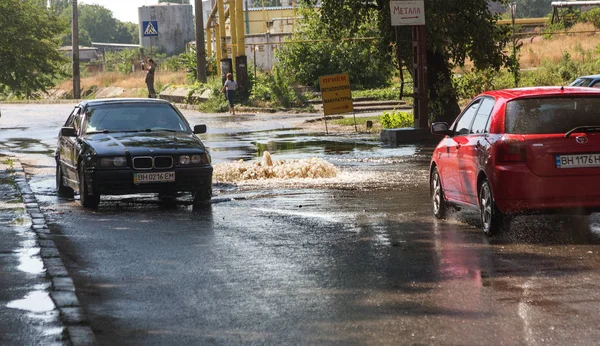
(143, 143)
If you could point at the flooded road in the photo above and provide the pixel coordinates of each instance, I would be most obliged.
(356, 259)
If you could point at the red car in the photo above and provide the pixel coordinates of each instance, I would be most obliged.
(518, 151)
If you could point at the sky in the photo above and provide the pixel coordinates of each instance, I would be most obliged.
(123, 10)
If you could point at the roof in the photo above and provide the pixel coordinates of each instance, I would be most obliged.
(69, 48)
(95, 102)
(591, 76)
(116, 44)
(272, 8)
(509, 94)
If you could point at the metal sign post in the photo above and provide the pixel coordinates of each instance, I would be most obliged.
(336, 95)
(412, 13)
(150, 28)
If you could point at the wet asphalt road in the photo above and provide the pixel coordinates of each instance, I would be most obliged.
(354, 261)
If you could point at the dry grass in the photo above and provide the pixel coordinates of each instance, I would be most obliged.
(580, 39)
(133, 83)
(576, 41)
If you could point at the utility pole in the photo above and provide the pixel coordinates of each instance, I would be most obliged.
(75, 51)
(513, 10)
(200, 48)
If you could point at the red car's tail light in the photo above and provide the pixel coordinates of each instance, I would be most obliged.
(511, 150)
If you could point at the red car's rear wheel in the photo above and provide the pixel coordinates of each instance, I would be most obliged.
(492, 219)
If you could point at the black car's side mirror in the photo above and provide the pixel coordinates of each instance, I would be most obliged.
(441, 128)
(199, 129)
(68, 132)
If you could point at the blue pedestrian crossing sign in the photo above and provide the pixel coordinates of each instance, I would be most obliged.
(150, 28)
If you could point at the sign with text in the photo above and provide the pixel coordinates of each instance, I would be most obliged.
(408, 12)
(336, 94)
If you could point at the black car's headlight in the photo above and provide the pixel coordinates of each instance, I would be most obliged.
(113, 161)
(196, 159)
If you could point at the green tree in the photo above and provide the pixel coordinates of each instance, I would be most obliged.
(313, 52)
(456, 30)
(533, 8)
(96, 24)
(126, 32)
(29, 56)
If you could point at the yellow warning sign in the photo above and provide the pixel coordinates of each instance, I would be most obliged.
(336, 94)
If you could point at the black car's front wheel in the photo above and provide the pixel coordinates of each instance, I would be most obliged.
(61, 189)
(492, 219)
(202, 197)
(86, 199)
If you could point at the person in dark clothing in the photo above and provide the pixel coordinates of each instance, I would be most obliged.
(230, 87)
(150, 78)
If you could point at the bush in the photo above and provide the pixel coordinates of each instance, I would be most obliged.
(217, 102)
(122, 61)
(592, 16)
(396, 119)
(274, 90)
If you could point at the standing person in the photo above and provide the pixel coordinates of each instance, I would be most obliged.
(150, 78)
(229, 87)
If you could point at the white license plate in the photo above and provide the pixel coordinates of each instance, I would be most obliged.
(578, 161)
(155, 177)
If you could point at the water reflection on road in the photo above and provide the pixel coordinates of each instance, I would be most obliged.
(355, 259)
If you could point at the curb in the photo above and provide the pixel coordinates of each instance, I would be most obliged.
(62, 290)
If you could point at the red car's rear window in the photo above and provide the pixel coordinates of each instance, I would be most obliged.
(551, 114)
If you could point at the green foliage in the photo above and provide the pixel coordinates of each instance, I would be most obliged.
(533, 8)
(29, 56)
(274, 90)
(187, 62)
(456, 30)
(217, 102)
(122, 61)
(553, 28)
(314, 51)
(349, 121)
(96, 24)
(474, 82)
(592, 16)
(396, 119)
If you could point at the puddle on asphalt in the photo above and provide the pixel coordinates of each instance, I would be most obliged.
(289, 144)
(29, 258)
(20, 221)
(38, 301)
(26, 145)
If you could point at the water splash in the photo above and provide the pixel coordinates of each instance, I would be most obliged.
(311, 168)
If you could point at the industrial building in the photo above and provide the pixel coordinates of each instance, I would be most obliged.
(175, 27)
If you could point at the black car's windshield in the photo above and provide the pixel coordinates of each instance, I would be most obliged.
(133, 117)
(551, 114)
(583, 82)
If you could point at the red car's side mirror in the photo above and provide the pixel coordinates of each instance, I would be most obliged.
(440, 128)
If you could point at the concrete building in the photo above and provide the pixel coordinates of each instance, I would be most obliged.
(175, 27)
(86, 54)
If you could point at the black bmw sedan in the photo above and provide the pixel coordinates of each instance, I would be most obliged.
(130, 146)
